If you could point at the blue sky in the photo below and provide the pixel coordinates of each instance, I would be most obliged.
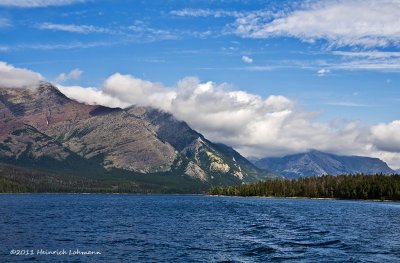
(337, 59)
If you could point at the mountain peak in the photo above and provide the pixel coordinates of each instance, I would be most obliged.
(316, 163)
(47, 86)
(44, 93)
(49, 90)
(137, 140)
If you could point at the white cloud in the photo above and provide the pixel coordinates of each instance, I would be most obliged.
(70, 45)
(92, 96)
(123, 91)
(12, 77)
(38, 3)
(131, 90)
(366, 23)
(368, 54)
(218, 13)
(189, 12)
(386, 136)
(149, 33)
(82, 29)
(251, 124)
(385, 65)
(323, 72)
(143, 30)
(247, 59)
(74, 74)
(373, 60)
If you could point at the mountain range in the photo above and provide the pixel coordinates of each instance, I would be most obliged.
(48, 139)
(316, 163)
(42, 129)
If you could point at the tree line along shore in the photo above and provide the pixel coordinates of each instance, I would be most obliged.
(359, 186)
(379, 187)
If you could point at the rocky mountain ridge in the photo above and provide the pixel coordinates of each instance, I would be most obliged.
(316, 163)
(43, 128)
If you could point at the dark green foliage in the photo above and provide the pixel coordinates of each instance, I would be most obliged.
(358, 186)
(14, 179)
(18, 180)
(18, 132)
(79, 133)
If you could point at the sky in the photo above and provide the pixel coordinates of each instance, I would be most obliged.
(267, 77)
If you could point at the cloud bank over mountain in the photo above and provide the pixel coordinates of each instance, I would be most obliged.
(12, 77)
(255, 126)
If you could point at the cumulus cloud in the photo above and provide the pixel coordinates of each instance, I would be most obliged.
(74, 74)
(37, 3)
(131, 90)
(366, 23)
(82, 29)
(253, 125)
(386, 136)
(247, 59)
(12, 77)
(92, 96)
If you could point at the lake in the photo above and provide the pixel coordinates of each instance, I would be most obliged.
(179, 228)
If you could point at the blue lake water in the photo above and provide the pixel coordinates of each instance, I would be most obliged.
(168, 228)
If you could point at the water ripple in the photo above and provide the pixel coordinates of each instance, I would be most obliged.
(137, 228)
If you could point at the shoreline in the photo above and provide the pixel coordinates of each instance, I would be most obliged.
(50, 193)
(307, 198)
(266, 197)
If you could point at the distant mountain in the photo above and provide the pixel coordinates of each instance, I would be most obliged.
(252, 159)
(43, 129)
(315, 163)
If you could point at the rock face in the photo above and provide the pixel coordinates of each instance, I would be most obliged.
(43, 128)
(316, 163)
